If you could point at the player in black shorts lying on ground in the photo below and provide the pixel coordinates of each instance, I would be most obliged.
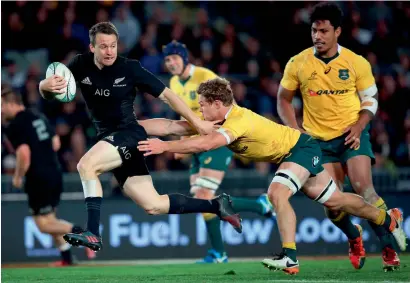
(35, 145)
(109, 84)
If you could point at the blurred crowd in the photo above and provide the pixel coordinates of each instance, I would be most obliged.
(247, 42)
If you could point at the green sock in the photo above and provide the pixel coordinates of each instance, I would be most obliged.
(247, 205)
(291, 253)
(380, 231)
(213, 227)
(343, 223)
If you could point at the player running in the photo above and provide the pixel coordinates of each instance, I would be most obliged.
(207, 168)
(329, 77)
(35, 144)
(259, 139)
(108, 83)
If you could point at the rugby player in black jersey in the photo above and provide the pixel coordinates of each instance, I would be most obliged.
(109, 84)
(35, 145)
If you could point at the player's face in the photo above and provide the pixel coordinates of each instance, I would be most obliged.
(324, 36)
(174, 64)
(105, 49)
(210, 111)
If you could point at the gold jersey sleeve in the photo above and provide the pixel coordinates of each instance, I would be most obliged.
(329, 89)
(258, 138)
(364, 76)
(290, 79)
(187, 90)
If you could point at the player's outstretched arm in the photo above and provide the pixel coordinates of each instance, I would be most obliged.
(190, 145)
(164, 127)
(52, 84)
(203, 127)
(285, 108)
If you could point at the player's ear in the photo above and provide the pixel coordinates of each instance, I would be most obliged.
(92, 48)
(338, 31)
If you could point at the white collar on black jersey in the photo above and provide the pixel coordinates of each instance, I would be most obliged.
(339, 49)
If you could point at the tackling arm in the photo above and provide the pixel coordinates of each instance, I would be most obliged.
(190, 145)
(165, 127)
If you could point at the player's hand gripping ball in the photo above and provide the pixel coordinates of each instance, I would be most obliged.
(67, 93)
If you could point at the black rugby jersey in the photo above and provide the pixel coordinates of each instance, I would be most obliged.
(32, 128)
(110, 92)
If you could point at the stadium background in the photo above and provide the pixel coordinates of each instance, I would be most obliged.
(248, 43)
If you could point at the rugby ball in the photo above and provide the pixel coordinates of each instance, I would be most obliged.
(57, 68)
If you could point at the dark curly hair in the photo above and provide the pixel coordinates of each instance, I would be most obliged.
(216, 89)
(327, 11)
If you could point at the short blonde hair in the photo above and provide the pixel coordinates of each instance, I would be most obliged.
(216, 89)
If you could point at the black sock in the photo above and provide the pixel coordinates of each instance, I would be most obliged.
(93, 205)
(181, 204)
(76, 229)
(66, 256)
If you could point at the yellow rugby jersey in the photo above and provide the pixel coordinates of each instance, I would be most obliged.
(187, 89)
(329, 90)
(256, 137)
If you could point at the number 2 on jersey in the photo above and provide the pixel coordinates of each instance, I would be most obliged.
(41, 129)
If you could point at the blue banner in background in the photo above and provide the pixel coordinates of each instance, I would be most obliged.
(129, 233)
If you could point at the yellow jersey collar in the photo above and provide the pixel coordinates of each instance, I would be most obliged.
(229, 111)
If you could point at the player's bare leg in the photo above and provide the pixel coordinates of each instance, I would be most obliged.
(287, 181)
(141, 190)
(359, 172)
(353, 204)
(341, 219)
(102, 157)
(203, 186)
(50, 224)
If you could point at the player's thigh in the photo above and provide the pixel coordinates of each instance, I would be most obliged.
(207, 183)
(364, 149)
(213, 165)
(336, 172)
(322, 189)
(360, 174)
(102, 157)
(288, 180)
(43, 220)
(141, 190)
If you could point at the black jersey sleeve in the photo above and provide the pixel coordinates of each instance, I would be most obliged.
(145, 81)
(75, 66)
(16, 133)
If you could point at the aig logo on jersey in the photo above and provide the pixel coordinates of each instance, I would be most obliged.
(343, 74)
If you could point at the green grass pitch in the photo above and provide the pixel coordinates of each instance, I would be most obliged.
(312, 271)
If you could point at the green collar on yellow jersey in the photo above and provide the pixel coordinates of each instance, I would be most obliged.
(191, 72)
(327, 60)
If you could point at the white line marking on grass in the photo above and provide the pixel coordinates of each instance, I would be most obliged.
(331, 281)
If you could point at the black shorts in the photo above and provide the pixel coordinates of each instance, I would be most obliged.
(133, 161)
(44, 193)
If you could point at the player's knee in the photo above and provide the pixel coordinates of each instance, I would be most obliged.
(206, 186)
(330, 196)
(204, 193)
(157, 206)
(84, 166)
(278, 195)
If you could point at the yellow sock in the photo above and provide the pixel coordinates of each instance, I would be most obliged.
(290, 245)
(381, 218)
(341, 215)
(380, 204)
